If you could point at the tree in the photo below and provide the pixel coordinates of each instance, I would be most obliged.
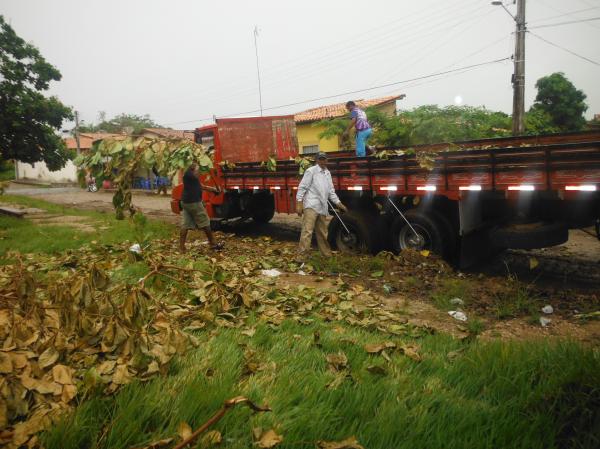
(428, 124)
(121, 124)
(562, 101)
(28, 119)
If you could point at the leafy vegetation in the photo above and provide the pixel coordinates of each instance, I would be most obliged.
(7, 171)
(121, 158)
(561, 102)
(559, 107)
(427, 124)
(29, 120)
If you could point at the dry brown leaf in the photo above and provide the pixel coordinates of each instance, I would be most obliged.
(377, 348)
(411, 351)
(121, 375)
(68, 393)
(337, 362)
(106, 367)
(62, 375)
(48, 357)
(269, 439)
(348, 443)
(6, 363)
(41, 386)
(3, 414)
(184, 430)
(211, 438)
(19, 359)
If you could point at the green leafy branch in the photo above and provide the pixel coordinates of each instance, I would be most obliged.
(123, 157)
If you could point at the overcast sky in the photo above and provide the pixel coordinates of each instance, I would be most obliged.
(182, 61)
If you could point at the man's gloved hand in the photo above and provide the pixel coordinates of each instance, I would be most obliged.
(299, 208)
(341, 207)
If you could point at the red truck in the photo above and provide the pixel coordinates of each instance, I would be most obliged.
(478, 198)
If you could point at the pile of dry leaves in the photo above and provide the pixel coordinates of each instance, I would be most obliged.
(70, 326)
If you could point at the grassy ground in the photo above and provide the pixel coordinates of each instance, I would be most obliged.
(7, 171)
(461, 394)
(18, 234)
(474, 395)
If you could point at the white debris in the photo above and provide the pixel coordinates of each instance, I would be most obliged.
(301, 273)
(545, 321)
(548, 309)
(457, 301)
(273, 273)
(136, 248)
(458, 315)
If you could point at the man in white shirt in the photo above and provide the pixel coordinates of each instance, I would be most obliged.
(315, 189)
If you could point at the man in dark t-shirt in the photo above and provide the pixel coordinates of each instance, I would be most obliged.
(194, 213)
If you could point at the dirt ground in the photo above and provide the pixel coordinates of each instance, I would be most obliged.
(583, 250)
(577, 262)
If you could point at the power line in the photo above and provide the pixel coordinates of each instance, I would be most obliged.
(565, 49)
(566, 23)
(431, 75)
(570, 13)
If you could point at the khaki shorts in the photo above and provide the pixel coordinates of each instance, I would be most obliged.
(194, 216)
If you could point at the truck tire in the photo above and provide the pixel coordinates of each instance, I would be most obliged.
(262, 207)
(433, 235)
(450, 235)
(530, 235)
(362, 238)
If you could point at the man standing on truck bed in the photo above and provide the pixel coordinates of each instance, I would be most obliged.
(358, 120)
(314, 192)
(194, 214)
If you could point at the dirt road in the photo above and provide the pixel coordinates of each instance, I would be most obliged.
(573, 263)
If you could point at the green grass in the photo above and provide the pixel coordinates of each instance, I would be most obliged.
(450, 289)
(498, 394)
(7, 171)
(348, 264)
(21, 234)
(515, 301)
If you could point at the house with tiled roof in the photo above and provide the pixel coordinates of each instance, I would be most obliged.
(308, 129)
(167, 132)
(39, 172)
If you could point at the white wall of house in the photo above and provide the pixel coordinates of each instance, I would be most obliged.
(40, 172)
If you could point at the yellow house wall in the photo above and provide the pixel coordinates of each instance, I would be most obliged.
(309, 135)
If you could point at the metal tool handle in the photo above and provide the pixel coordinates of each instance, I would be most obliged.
(402, 215)
(338, 217)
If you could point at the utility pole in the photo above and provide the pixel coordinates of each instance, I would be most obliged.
(258, 70)
(77, 132)
(519, 74)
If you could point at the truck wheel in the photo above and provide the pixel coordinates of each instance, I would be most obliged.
(360, 239)
(262, 207)
(530, 235)
(450, 235)
(429, 233)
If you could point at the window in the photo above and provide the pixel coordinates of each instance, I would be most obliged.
(310, 149)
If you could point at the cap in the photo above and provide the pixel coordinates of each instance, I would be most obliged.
(321, 155)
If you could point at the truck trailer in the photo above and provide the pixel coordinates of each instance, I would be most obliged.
(469, 200)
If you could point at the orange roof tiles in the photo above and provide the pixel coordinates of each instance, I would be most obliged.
(168, 132)
(339, 109)
(86, 140)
